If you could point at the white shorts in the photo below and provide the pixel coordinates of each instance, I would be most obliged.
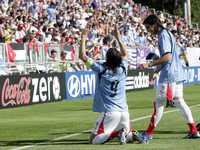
(109, 124)
(175, 88)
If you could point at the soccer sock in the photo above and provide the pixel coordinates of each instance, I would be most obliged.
(150, 128)
(157, 115)
(187, 114)
(169, 94)
(192, 127)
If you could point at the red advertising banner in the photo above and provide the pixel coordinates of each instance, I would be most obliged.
(15, 92)
(20, 90)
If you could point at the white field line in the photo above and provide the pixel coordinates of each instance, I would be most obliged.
(77, 134)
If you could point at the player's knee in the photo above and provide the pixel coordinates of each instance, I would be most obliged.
(95, 141)
(99, 139)
(92, 136)
(177, 101)
(161, 100)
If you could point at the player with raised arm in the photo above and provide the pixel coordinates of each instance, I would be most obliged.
(171, 74)
(110, 95)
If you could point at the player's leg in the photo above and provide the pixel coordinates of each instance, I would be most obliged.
(124, 128)
(159, 105)
(158, 108)
(169, 96)
(105, 128)
(180, 103)
(96, 127)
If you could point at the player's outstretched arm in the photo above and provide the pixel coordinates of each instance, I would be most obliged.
(123, 49)
(82, 51)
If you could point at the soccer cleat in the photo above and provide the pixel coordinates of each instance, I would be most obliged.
(150, 137)
(144, 138)
(193, 135)
(198, 126)
(136, 137)
(170, 103)
(122, 136)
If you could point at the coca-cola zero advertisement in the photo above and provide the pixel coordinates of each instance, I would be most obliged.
(19, 90)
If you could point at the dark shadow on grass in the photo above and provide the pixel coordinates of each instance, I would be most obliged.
(170, 132)
(166, 132)
(70, 142)
(44, 142)
(21, 142)
(76, 141)
(75, 109)
(68, 133)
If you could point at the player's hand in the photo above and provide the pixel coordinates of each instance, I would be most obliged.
(116, 32)
(143, 66)
(155, 75)
(187, 64)
(84, 33)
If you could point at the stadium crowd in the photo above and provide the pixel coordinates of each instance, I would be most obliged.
(61, 21)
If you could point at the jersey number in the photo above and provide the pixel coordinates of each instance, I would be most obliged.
(113, 88)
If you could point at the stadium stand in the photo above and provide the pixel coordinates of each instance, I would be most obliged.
(38, 26)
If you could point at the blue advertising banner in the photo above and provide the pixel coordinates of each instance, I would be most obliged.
(193, 75)
(79, 84)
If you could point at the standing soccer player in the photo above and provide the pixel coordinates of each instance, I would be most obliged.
(110, 94)
(171, 74)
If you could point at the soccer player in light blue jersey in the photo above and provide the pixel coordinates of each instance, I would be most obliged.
(110, 94)
(171, 74)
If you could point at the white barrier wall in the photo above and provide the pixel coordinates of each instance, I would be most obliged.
(193, 55)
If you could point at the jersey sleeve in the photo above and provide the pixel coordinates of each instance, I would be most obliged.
(164, 43)
(125, 64)
(89, 62)
(96, 67)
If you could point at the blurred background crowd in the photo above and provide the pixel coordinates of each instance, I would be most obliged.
(61, 21)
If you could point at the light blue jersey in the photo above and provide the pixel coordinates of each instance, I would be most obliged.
(110, 94)
(171, 71)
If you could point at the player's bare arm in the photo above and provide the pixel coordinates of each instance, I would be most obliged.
(165, 58)
(123, 50)
(82, 52)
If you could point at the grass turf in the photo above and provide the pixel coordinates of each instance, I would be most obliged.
(48, 126)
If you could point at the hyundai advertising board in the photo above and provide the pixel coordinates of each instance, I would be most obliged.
(79, 84)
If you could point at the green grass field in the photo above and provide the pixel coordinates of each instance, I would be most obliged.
(64, 125)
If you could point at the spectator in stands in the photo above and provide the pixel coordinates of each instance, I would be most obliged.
(64, 64)
(53, 61)
(141, 39)
(20, 34)
(53, 55)
(107, 43)
(126, 36)
(52, 18)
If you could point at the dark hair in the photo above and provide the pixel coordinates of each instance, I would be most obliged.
(113, 58)
(107, 39)
(63, 53)
(152, 20)
(53, 51)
